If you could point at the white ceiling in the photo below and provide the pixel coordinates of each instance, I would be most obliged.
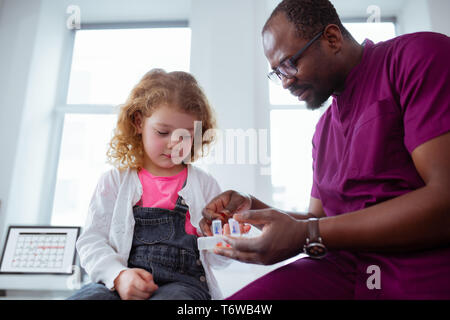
(358, 8)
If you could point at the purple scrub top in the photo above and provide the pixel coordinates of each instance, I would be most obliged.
(396, 99)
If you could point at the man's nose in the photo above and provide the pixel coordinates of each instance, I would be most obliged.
(287, 82)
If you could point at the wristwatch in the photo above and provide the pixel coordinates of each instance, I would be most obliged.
(314, 247)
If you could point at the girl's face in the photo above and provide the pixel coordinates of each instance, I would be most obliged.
(167, 136)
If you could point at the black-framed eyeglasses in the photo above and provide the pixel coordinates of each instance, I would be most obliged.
(288, 68)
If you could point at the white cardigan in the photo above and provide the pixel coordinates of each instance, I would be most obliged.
(105, 243)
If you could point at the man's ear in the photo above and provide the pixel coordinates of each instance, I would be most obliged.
(138, 121)
(333, 37)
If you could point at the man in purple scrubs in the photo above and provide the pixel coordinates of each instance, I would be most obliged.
(378, 225)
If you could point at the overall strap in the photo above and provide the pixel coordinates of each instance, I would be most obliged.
(181, 205)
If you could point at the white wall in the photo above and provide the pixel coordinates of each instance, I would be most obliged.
(424, 15)
(414, 17)
(439, 11)
(221, 59)
(18, 35)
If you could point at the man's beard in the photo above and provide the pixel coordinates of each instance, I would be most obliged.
(317, 98)
(317, 101)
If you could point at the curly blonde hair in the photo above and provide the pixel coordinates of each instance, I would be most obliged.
(157, 88)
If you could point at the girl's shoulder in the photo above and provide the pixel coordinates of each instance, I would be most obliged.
(201, 182)
(198, 177)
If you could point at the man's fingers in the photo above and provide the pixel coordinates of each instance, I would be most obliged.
(244, 244)
(245, 228)
(236, 203)
(248, 257)
(256, 217)
(217, 205)
(232, 206)
(226, 229)
(210, 214)
(205, 227)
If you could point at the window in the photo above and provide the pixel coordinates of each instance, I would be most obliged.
(291, 134)
(292, 127)
(106, 64)
(376, 32)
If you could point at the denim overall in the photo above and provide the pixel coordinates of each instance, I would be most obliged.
(162, 247)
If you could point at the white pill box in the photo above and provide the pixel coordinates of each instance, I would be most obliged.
(208, 243)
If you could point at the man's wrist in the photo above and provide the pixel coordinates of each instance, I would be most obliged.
(314, 246)
(301, 215)
(257, 204)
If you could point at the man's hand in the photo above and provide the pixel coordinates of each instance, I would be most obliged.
(282, 237)
(223, 207)
(135, 284)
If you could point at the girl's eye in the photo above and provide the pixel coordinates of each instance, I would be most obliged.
(162, 133)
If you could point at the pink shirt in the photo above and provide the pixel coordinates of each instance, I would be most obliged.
(162, 192)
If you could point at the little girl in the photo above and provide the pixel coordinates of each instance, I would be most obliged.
(140, 239)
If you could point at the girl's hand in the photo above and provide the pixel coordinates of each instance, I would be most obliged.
(135, 284)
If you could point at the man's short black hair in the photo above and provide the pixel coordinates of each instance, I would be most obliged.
(308, 16)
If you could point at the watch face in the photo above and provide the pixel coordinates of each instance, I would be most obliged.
(315, 250)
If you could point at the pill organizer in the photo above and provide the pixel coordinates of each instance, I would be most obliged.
(209, 243)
